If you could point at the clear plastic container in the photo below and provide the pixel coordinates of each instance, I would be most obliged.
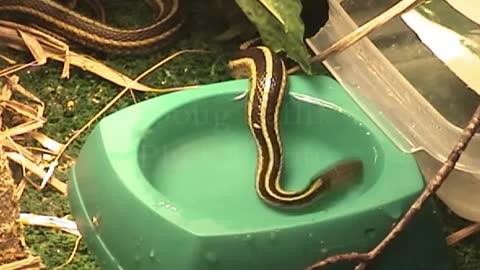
(409, 92)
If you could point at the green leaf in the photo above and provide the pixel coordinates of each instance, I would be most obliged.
(280, 26)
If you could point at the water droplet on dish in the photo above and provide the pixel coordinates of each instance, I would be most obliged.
(211, 257)
(370, 232)
(248, 238)
(273, 236)
(393, 211)
(151, 254)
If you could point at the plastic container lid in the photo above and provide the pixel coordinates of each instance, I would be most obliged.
(414, 97)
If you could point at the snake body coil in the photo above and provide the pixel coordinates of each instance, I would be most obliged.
(268, 79)
(90, 33)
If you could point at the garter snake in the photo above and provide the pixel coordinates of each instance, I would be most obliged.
(268, 81)
(266, 70)
(58, 19)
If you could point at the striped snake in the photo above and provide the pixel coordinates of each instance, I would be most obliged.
(266, 72)
(53, 17)
(268, 81)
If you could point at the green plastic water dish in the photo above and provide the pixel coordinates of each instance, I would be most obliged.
(169, 183)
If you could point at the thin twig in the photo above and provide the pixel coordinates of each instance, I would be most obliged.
(8, 60)
(458, 236)
(17, 68)
(70, 258)
(37, 170)
(430, 188)
(398, 9)
(29, 263)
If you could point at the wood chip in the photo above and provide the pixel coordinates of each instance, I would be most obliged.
(34, 46)
(30, 263)
(38, 171)
(46, 141)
